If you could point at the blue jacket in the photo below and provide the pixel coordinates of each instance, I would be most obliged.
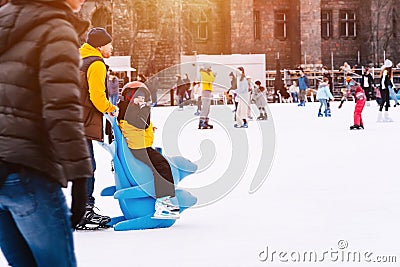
(303, 83)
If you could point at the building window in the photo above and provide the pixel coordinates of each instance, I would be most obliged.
(348, 23)
(199, 21)
(257, 25)
(102, 18)
(280, 25)
(146, 15)
(326, 24)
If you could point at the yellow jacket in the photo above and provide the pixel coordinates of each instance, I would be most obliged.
(96, 76)
(207, 78)
(135, 137)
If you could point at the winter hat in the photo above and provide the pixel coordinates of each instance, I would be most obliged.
(388, 63)
(207, 65)
(134, 89)
(98, 37)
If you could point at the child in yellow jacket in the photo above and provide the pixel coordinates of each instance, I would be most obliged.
(136, 127)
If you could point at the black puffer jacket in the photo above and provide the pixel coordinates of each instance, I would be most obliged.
(40, 111)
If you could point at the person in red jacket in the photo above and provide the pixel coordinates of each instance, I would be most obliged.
(354, 89)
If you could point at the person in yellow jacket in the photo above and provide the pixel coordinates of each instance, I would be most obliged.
(95, 104)
(137, 128)
(207, 78)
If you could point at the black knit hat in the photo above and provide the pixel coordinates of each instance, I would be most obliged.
(97, 37)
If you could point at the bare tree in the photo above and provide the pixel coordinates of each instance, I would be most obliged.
(382, 28)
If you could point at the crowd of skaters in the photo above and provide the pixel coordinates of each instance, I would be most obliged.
(361, 92)
(200, 92)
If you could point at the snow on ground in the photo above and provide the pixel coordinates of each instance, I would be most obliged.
(330, 193)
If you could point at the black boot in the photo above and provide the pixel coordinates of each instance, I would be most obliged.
(93, 221)
(209, 126)
(355, 127)
(204, 125)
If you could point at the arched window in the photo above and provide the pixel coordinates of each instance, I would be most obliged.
(199, 23)
(147, 15)
(102, 18)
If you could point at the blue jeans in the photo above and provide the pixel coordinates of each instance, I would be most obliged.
(295, 97)
(393, 94)
(35, 226)
(90, 180)
(323, 102)
(114, 99)
(180, 101)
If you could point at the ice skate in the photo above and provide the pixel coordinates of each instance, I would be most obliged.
(327, 113)
(356, 127)
(93, 221)
(244, 125)
(386, 117)
(380, 117)
(320, 114)
(210, 126)
(203, 125)
(261, 117)
(165, 210)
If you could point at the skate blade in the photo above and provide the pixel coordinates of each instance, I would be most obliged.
(165, 218)
(92, 227)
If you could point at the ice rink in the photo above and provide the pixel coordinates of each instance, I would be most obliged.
(331, 198)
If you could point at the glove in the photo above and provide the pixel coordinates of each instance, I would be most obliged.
(341, 104)
(79, 200)
(115, 112)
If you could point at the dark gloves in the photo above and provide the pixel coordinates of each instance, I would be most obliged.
(341, 103)
(79, 200)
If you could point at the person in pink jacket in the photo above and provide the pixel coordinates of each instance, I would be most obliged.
(354, 89)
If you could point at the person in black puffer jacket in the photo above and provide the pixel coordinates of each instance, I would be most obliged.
(41, 131)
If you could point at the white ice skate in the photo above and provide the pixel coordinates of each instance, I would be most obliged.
(165, 209)
(386, 117)
(380, 117)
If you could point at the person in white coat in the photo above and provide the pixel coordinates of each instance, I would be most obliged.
(242, 92)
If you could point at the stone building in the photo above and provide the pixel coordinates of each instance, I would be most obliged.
(156, 32)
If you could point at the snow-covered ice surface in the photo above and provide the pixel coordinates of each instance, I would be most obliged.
(328, 187)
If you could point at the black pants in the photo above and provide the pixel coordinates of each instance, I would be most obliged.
(369, 93)
(385, 99)
(163, 180)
